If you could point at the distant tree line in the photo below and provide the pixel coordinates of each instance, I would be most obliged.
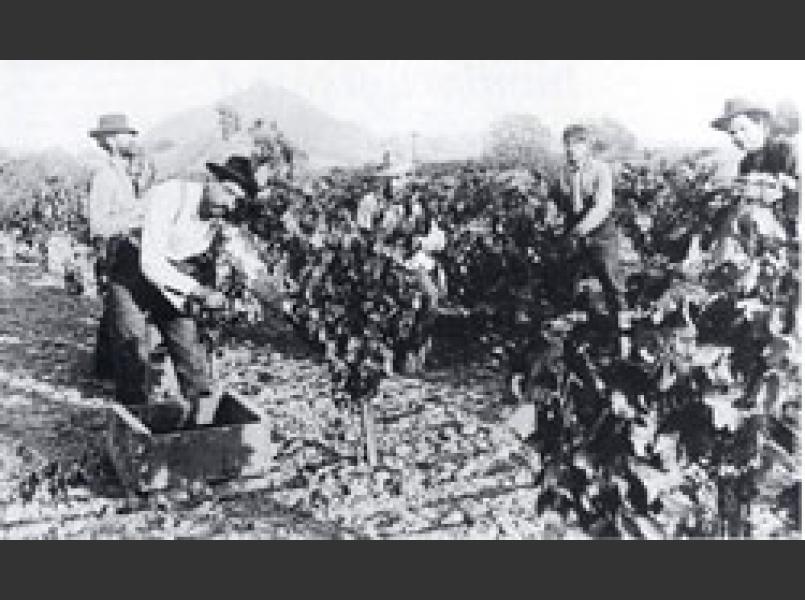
(523, 140)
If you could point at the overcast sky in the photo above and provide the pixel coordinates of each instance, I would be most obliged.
(46, 103)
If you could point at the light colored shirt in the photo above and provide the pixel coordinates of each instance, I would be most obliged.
(113, 207)
(392, 216)
(589, 184)
(367, 207)
(172, 232)
(434, 241)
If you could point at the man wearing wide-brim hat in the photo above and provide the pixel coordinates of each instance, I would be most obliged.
(177, 266)
(769, 169)
(114, 216)
(769, 172)
(750, 126)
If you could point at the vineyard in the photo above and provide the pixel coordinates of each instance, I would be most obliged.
(706, 355)
(678, 417)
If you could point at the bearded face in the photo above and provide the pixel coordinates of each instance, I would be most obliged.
(747, 133)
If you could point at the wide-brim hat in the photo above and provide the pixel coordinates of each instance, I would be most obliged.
(111, 124)
(237, 169)
(739, 106)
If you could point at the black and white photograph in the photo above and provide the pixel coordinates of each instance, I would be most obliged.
(400, 300)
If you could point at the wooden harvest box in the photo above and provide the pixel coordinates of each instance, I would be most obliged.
(237, 445)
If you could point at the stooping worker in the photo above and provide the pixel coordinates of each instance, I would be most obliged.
(429, 242)
(422, 242)
(408, 212)
(177, 267)
(115, 218)
(768, 175)
(585, 194)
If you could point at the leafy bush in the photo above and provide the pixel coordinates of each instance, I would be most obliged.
(705, 362)
(663, 420)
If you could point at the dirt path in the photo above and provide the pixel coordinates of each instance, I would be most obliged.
(448, 468)
(51, 417)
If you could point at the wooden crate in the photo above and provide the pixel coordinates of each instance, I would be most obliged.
(237, 445)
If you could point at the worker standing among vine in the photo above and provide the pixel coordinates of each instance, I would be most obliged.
(585, 192)
(768, 177)
(115, 219)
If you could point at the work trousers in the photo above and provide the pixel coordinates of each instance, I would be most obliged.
(134, 302)
(600, 253)
(103, 344)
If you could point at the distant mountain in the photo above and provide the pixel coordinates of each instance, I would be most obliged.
(184, 141)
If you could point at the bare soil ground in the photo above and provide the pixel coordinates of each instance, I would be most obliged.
(450, 467)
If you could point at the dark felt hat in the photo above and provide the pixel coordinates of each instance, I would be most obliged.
(238, 169)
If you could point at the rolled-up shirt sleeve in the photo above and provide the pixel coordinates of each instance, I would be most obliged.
(162, 206)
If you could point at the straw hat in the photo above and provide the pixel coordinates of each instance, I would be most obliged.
(110, 124)
(739, 106)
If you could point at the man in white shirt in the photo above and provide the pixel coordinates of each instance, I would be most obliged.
(115, 218)
(112, 207)
(178, 245)
(424, 259)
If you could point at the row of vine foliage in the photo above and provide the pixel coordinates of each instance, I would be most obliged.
(706, 355)
(38, 195)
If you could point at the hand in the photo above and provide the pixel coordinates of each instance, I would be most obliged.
(580, 231)
(210, 298)
(215, 300)
(761, 187)
(267, 288)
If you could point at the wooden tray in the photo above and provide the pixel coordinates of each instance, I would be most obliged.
(236, 445)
